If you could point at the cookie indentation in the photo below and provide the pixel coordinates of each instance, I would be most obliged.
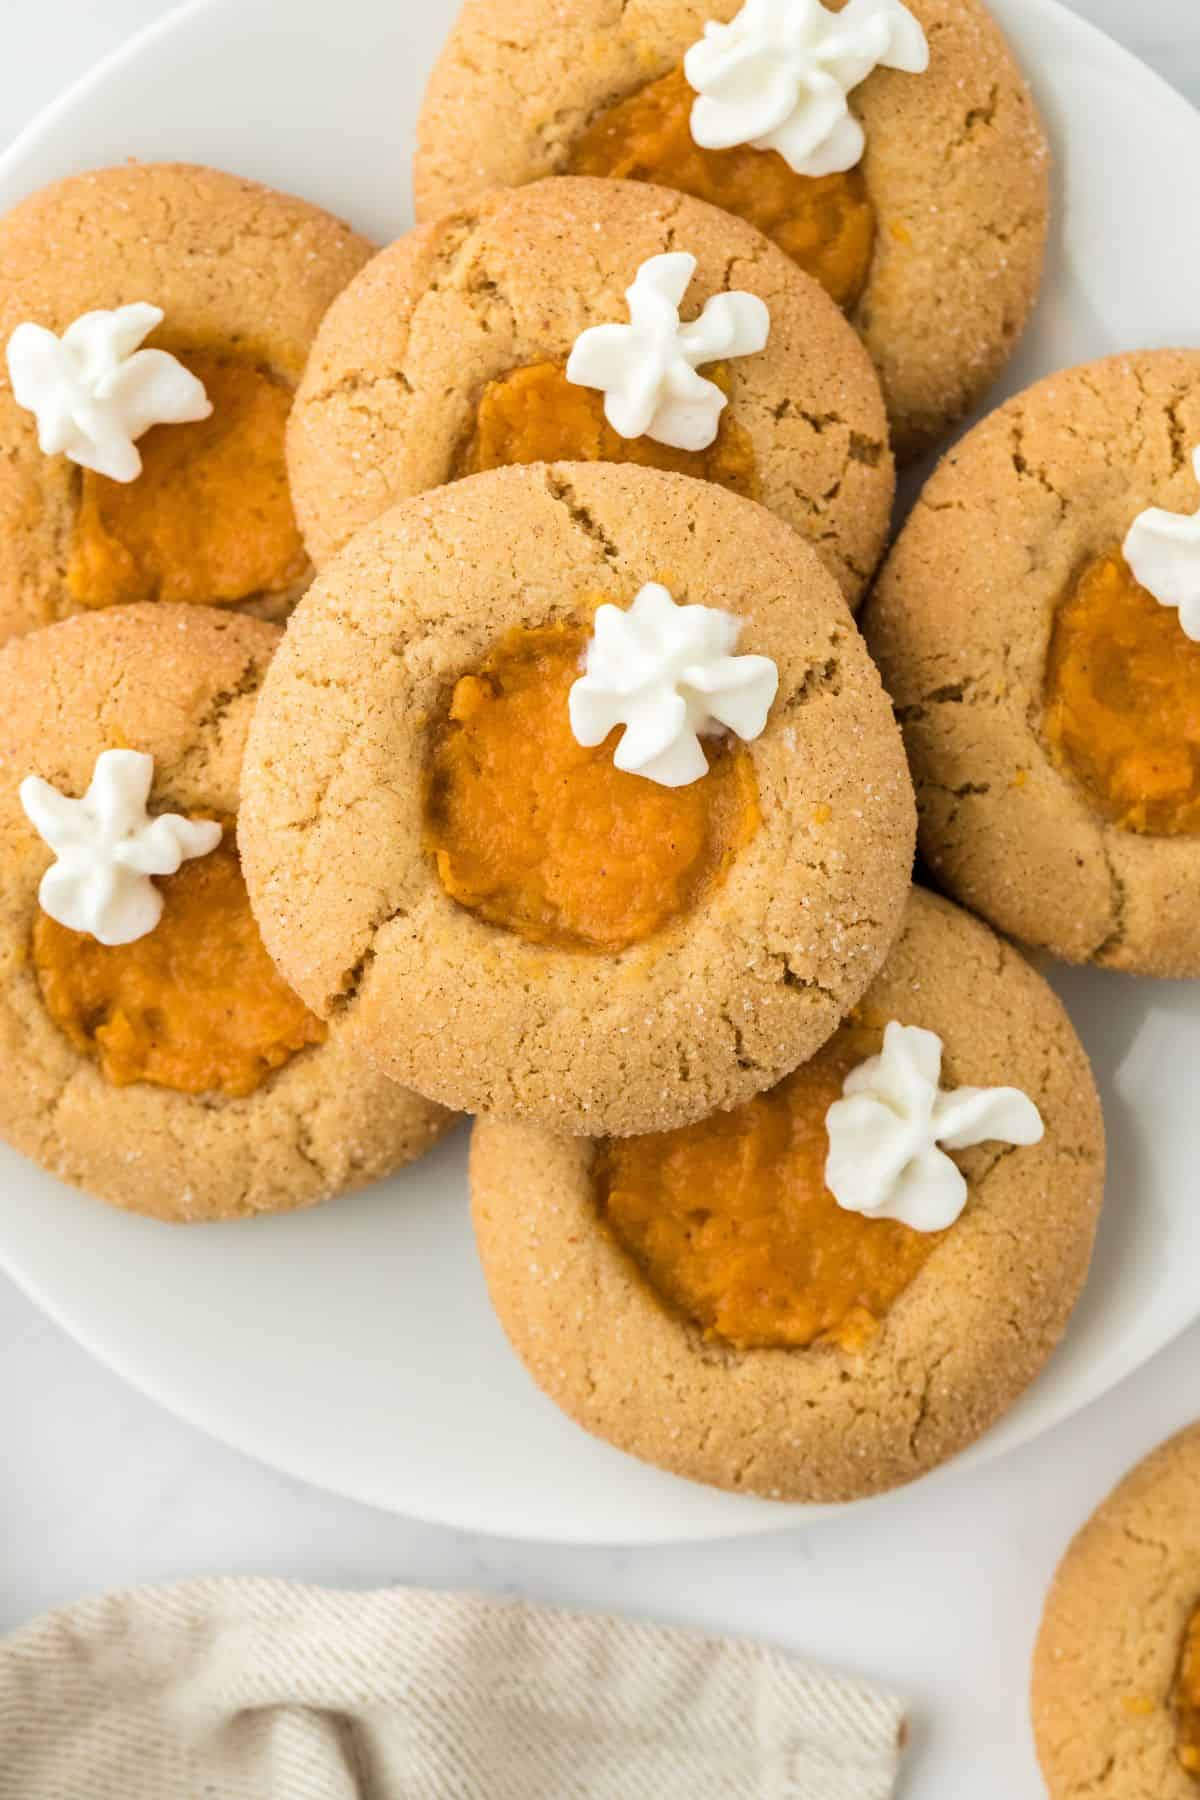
(210, 517)
(1122, 702)
(1187, 1699)
(536, 415)
(731, 1222)
(825, 223)
(538, 835)
(195, 1006)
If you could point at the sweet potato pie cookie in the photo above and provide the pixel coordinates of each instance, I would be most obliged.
(154, 322)
(542, 325)
(575, 788)
(151, 1052)
(894, 152)
(1116, 1673)
(1037, 627)
(807, 1297)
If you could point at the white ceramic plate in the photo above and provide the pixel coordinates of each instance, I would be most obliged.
(354, 1346)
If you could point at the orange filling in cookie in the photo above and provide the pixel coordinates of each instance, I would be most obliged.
(732, 1223)
(1187, 1699)
(196, 1005)
(825, 223)
(536, 834)
(1122, 702)
(537, 415)
(210, 517)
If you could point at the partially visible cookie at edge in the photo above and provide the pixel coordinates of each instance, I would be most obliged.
(1116, 1670)
(1019, 652)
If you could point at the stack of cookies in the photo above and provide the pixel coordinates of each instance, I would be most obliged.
(434, 687)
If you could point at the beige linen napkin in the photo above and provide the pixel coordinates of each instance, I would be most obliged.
(261, 1690)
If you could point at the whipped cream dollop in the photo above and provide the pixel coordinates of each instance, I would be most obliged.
(884, 1134)
(777, 76)
(94, 392)
(647, 369)
(107, 847)
(1163, 552)
(668, 675)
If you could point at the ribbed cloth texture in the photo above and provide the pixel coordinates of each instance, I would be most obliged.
(261, 1690)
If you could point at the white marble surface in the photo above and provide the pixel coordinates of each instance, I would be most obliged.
(938, 1594)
